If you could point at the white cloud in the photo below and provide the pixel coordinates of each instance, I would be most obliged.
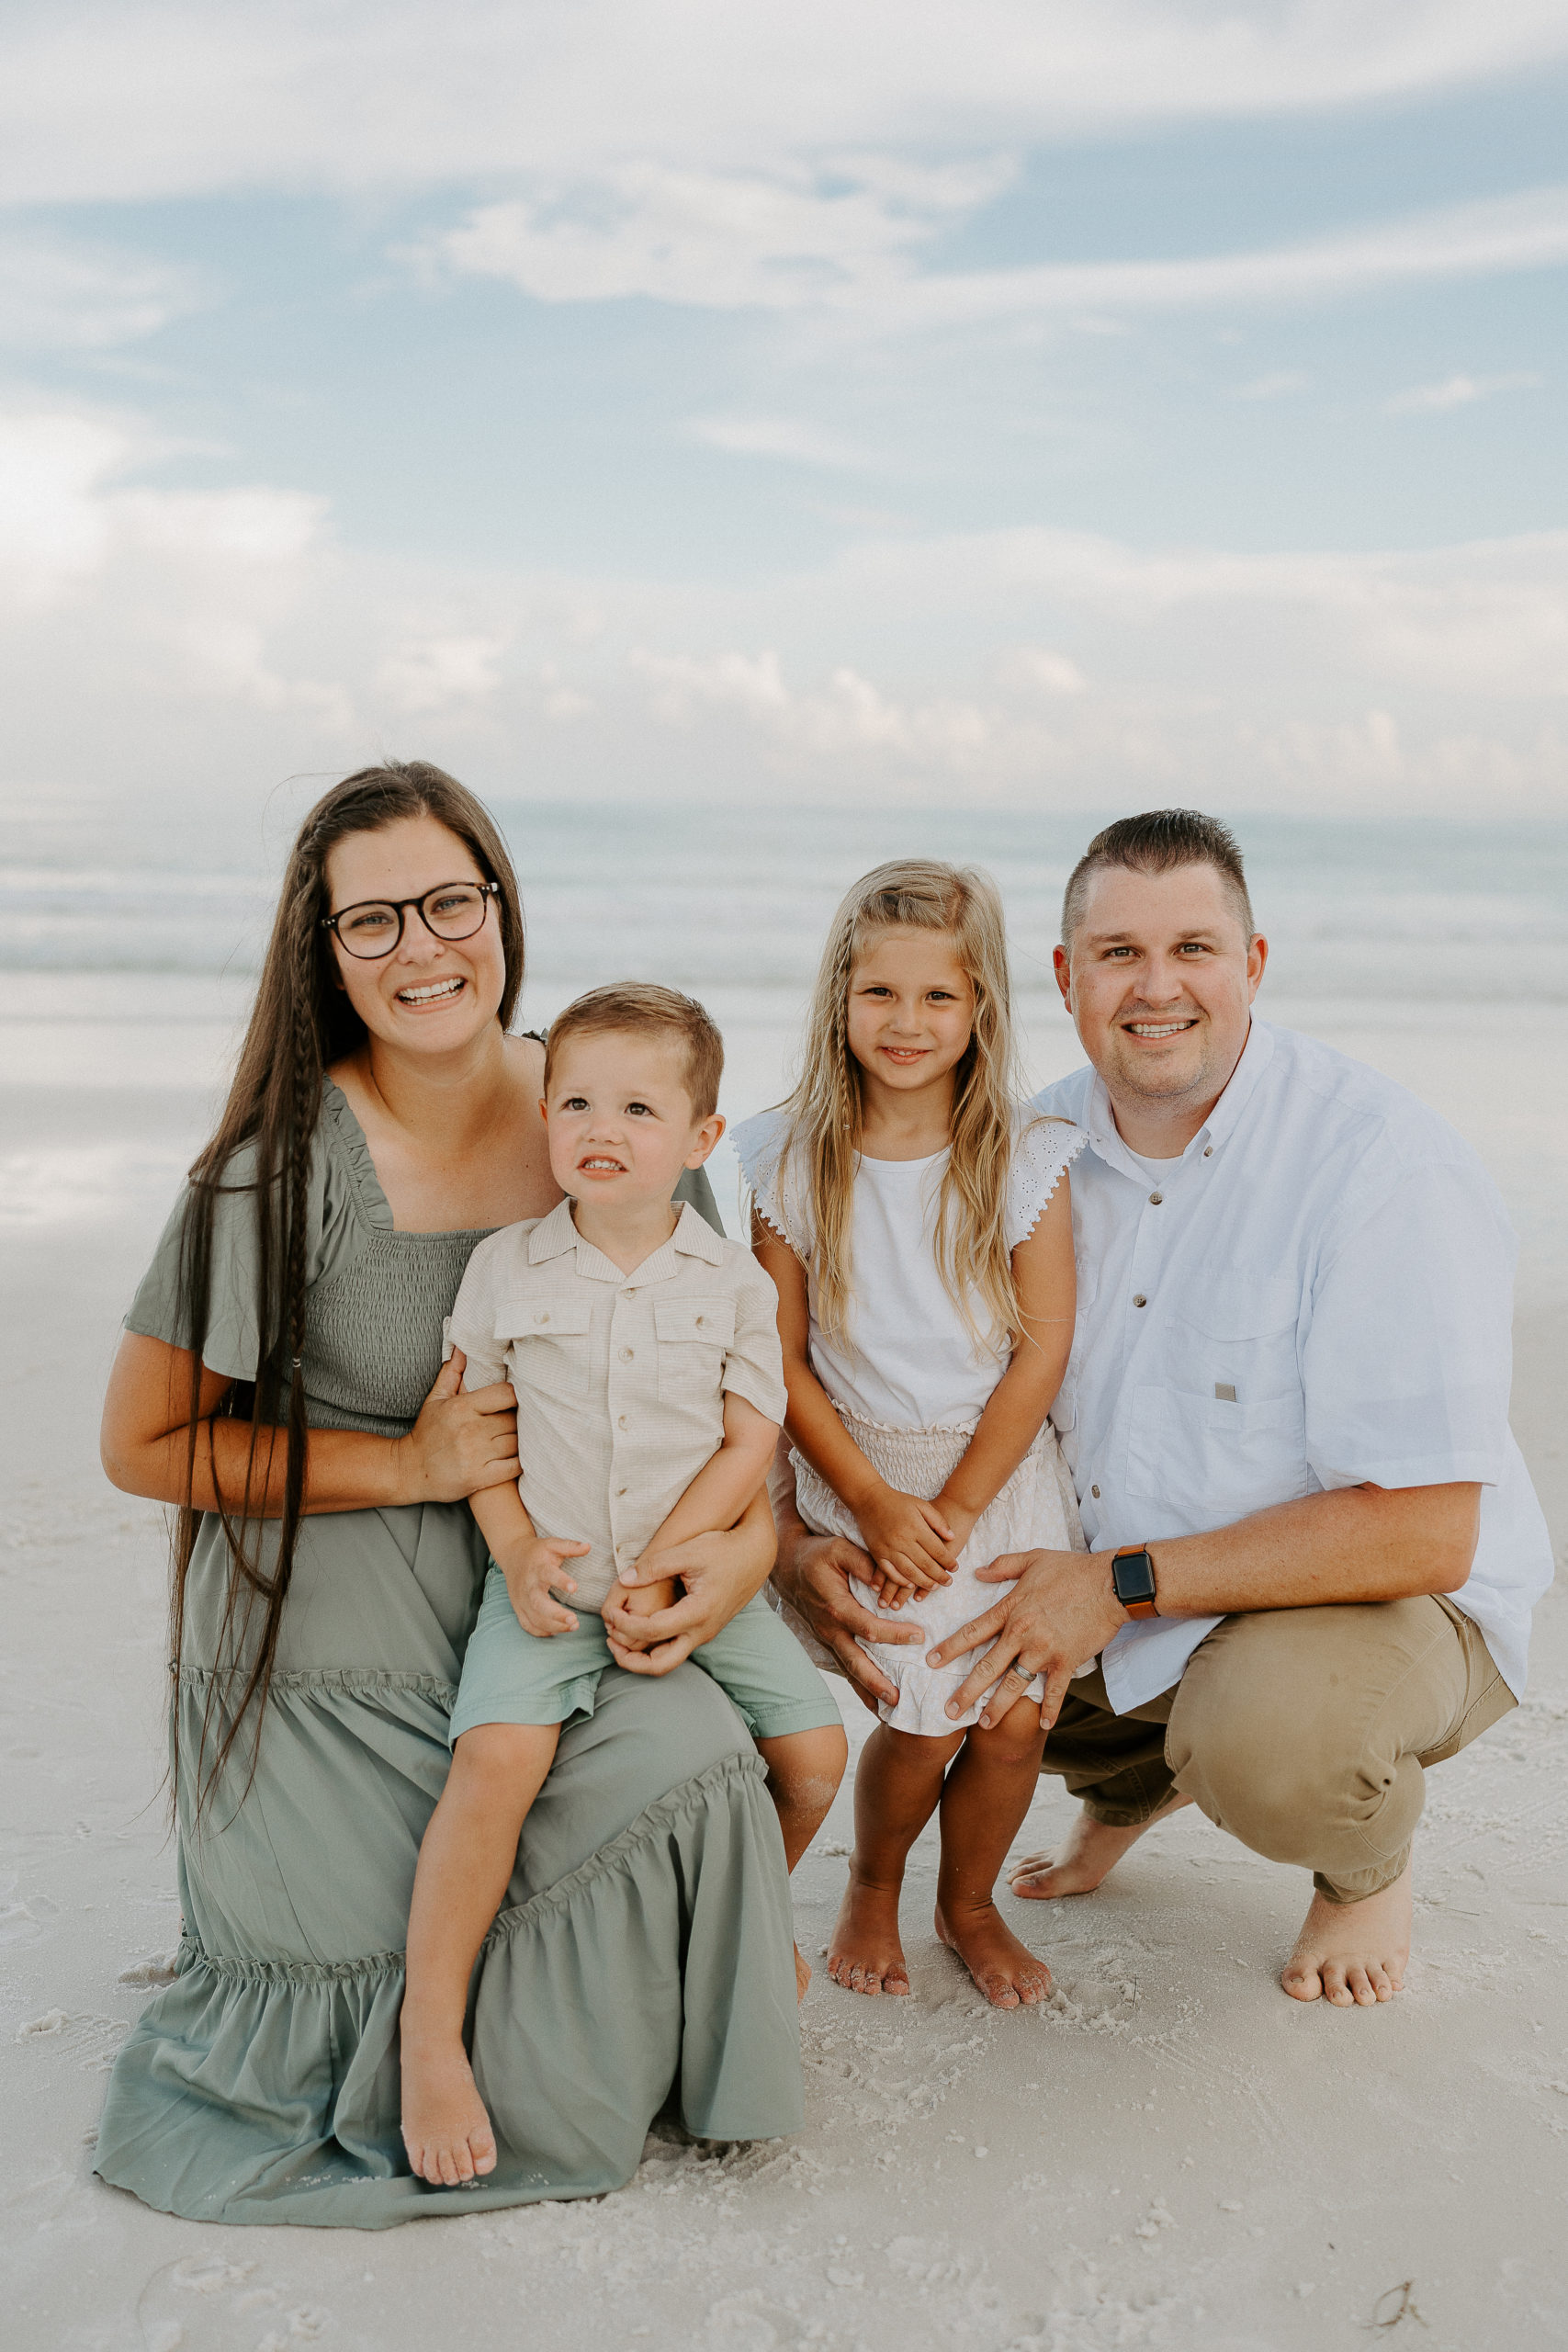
(1274, 386)
(1506, 234)
(151, 98)
(432, 672)
(682, 682)
(1458, 392)
(202, 635)
(718, 241)
(850, 248)
(1036, 666)
(177, 589)
(56, 294)
(791, 440)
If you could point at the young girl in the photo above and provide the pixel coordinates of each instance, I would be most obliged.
(918, 1225)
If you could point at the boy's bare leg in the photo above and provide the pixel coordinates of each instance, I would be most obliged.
(984, 1800)
(465, 1863)
(1088, 1853)
(897, 1787)
(805, 1768)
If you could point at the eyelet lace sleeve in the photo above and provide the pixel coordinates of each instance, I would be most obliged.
(1044, 1150)
(780, 1202)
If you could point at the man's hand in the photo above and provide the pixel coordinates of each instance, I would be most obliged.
(1061, 1609)
(813, 1575)
(530, 1571)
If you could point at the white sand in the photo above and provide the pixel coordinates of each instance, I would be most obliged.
(1172, 2154)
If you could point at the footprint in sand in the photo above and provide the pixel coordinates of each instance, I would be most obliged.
(207, 2303)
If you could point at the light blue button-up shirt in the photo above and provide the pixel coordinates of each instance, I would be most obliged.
(1317, 1295)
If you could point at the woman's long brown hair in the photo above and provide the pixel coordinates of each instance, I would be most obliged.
(300, 1023)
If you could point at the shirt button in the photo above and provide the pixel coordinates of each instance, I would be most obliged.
(1139, 1300)
(625, 1293)
(1154, 1199)
(620, 1421)
(620, 1490)
(625, 1355)
(1095, 1492)
(1208, 1151)
(701, 1320)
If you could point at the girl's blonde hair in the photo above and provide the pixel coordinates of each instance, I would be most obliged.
(823, 1138)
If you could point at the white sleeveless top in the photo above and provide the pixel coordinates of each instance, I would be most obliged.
(908, 1360)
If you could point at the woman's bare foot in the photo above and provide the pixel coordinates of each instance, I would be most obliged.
(1089, 1854)
(446, 2129)
(865, 1955)
(1006, 1971)
(1354, 1954)
(802, 1976)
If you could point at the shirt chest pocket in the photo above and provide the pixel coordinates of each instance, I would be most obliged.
(1226, 1432)
(1236, 1332)
(693, 1335)
(549, 1343)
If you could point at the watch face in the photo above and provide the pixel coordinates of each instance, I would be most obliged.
(1134, 1578)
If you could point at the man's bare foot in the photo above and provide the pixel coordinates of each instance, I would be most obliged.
(446, 2129)
(1354, 1954)
(1089, 1854)
(802, 1976)
(865, 1955)
(1006, 1971)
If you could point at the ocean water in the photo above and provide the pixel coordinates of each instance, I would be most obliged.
(129, 941)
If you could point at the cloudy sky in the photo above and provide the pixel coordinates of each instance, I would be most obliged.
(1086, 399)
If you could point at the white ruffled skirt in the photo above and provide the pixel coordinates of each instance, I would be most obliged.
(1036, 1511)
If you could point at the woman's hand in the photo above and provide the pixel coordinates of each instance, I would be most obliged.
(459, 1445)
(719, 1573)
(910, 1539)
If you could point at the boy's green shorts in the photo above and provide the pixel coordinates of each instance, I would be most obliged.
(513, 1677)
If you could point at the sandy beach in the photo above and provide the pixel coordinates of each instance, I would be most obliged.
(1170, 2155)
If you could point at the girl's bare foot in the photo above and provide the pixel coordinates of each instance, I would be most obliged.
(1006, 1971)
(802, 1976)
(865, 1955)
(446, 2129)
(1354, 1954)
(1089, 1854)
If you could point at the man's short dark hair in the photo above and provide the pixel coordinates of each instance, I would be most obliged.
(1156, 843)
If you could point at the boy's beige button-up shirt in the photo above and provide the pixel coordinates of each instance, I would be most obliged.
(620, 1378)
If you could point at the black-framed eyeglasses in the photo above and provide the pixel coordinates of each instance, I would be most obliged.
(375, 926)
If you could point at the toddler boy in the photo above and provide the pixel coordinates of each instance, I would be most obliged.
(645, 1354)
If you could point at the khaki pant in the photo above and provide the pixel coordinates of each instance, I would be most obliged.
(1303, 1732)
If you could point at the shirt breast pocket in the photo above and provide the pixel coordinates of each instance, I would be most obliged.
(1226, 1434)
(549, 1343)
(693, 1336)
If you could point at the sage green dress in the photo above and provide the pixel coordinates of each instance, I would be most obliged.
(643, 1954)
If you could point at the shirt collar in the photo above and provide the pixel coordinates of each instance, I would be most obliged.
(555, 1236)
(1255, 1057)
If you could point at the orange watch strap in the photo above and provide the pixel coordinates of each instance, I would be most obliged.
(1148, 1608)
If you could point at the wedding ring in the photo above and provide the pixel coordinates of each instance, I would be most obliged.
(1025, 1674)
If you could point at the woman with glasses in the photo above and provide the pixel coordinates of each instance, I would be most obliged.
(280, 1383)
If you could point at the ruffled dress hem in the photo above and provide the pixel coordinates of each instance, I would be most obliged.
(256, 2090)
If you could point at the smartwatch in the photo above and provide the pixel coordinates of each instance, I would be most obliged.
(1132, 1579)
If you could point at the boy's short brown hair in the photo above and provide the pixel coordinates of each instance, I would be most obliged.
(642, 1009)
